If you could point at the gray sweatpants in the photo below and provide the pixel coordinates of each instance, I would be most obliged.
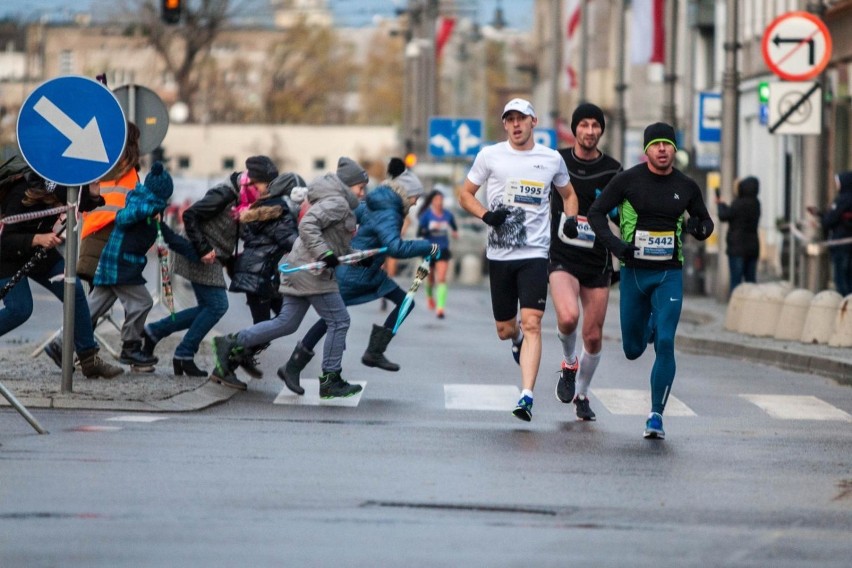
(135, 299)
(329, 306)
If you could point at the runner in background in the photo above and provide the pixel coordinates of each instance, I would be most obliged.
(437, 224)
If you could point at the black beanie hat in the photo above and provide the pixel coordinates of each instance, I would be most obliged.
(261, 168)
(659, 132)
(587, 110)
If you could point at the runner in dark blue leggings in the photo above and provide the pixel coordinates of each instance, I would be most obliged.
(652, 198)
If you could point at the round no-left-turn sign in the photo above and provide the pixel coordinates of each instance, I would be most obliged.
(797, 46)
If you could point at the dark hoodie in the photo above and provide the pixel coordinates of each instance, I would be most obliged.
(837, 221)
(743, 217)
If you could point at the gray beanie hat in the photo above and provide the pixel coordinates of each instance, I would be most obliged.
(350, 172)
(411, 183)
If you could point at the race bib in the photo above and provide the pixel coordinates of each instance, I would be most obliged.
(585, 237)
(654, 245)
(525, 193)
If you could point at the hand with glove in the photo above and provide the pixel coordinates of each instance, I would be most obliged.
(330, 260)
(695, 227)
(569, 227)
(495, 218)
(627, 252)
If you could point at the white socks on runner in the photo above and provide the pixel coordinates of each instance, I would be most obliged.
(588, 365)
(569, 343)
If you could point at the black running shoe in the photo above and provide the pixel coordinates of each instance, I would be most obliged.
(567, 383)
(583, 410)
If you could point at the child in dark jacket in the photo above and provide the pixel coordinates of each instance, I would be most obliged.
(119, 272)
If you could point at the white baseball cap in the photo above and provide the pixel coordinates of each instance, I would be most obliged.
(523, 106)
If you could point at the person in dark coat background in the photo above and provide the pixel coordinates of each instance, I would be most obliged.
(837, 223)
(743, 242)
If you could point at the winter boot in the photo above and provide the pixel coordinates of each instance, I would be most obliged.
(132, 354)
(54, 351)
(227, 353)
(94, 367)
(374, 355)
(332, 385)
(149, 342)
(249, 362)
(291, 371)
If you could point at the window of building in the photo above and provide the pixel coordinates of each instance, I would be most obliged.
(66, 62)
(319, 163)
(183, 162)
(228, 163)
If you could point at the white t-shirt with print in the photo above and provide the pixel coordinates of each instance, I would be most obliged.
(521, 181)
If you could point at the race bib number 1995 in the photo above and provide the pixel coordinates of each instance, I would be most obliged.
(525, 193)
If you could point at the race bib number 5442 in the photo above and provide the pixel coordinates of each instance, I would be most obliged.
(525, 193)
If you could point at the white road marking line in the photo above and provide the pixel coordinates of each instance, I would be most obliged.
(792, 407)
(90, 428)
(136, 418)
(312, 398)
(637, 402)
(481, 397)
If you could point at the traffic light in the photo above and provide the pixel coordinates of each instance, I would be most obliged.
(763, 92)
(170, 13)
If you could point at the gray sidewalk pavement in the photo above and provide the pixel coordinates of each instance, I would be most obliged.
(36, 381)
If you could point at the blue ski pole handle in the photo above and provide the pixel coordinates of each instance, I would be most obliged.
(419, 276)
(319, 265)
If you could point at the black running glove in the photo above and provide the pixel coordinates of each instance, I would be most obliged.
(627, 252)
(696, 227)
(569, 227)
(495, 218)
(330, 260)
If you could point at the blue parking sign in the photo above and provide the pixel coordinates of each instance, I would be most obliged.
(71, 130)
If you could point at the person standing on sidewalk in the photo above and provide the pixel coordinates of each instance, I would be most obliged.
(325, 233)
(517, 175)
(437, 225)
(652, 198)
(211, 227)
(837, 224)
(581, 268)
(742, 241)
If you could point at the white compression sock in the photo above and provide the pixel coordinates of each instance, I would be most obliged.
(569, 343)
(588, 365)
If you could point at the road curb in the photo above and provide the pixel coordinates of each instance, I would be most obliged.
(841, 371)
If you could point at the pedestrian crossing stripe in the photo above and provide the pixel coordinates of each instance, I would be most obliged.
(480, 397)
(637, 402)
(136, 418)
(312, 398)
(791, 407)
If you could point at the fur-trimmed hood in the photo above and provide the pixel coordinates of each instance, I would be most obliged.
(261, 212)
(395, 198)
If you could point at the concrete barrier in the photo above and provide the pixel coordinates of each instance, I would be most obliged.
(819, 325)
(762, 308)
(842, 336)
(470, 272)
(794, 312)
(735, 305)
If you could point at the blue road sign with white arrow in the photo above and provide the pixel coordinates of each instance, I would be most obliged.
(71, 130)
(454, 137)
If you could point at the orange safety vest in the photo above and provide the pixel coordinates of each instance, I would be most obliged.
(115, 194)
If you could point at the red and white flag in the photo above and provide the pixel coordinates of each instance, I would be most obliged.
(647, 34)
(571, 25)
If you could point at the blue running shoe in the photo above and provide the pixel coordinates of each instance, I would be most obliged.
(524, 409)
(654, 427)
(516, 350)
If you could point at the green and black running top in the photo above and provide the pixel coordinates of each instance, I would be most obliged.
(651, 209)
(588, 177)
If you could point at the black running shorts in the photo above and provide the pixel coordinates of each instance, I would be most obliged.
(587, 277)
(516, 282)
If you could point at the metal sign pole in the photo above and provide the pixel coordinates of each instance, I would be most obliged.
(70, 292)
(21, 409)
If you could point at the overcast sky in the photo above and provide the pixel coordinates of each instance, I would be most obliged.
(347, 12)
